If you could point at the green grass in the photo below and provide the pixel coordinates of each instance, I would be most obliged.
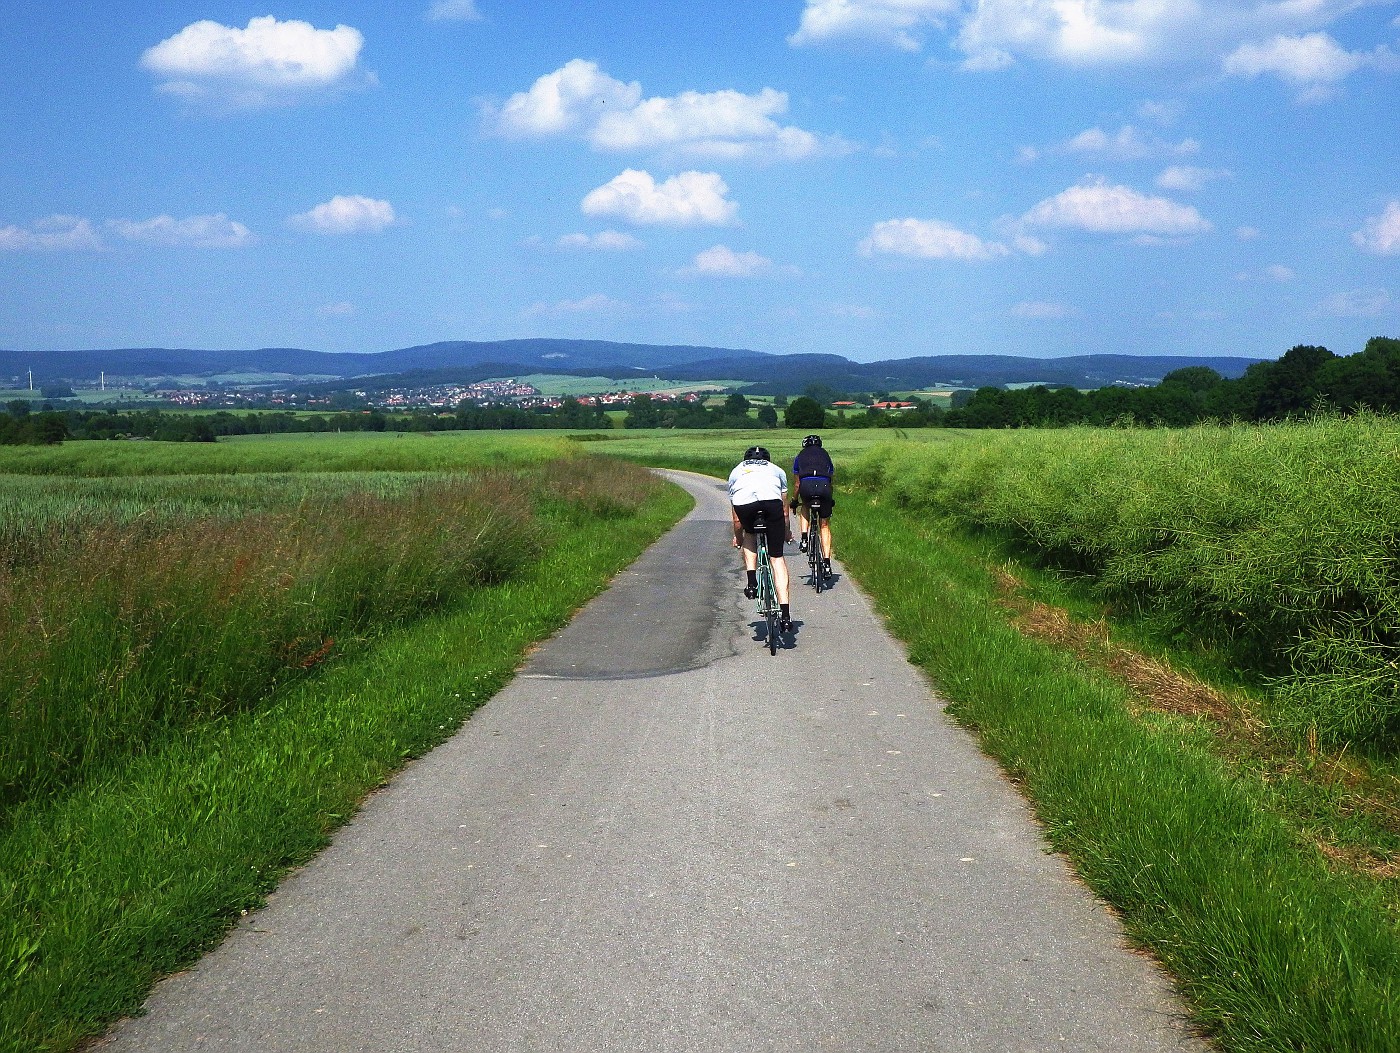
(300, 452)
(1272, 949)
(1273, 543)
(132, 871)
(1208, 849)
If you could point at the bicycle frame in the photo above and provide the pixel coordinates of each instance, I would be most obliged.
(767, 591)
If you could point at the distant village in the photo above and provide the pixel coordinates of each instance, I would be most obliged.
(439, 397)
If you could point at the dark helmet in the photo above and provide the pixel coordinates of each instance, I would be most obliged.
(756, 453)
(811, 440)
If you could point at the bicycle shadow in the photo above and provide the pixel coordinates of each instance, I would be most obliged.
(785, 640)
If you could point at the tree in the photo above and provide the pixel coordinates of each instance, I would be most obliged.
(780, 402)
(768, 416)
(642, 413)
(19, 408)
(822, 394)
(736, 406)
(804, 412)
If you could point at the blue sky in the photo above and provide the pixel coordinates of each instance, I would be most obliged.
(873, 178)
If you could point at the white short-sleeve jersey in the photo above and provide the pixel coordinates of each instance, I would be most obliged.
(752, 481)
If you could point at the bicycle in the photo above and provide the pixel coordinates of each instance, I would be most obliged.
(767, 592)
(814, 545)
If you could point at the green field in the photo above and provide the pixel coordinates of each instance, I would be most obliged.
(207, 664)
(1181, 644)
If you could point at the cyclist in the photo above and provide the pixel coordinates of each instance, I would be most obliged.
(757, 484)
(814, 472)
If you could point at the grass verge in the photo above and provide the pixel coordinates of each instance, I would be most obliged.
(1272, 948)
(132, 875)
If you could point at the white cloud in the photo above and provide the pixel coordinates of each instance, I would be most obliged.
(343, 309)
(572, 97)
(1041, 310)
(1358, 303)
(597, 303)
(1073, 32)
(454, 11)
(929, 239)
(900, 23)
(722, 261)
(580, 99)
(1101, 208)
(1381, 234)
(1279, 273)
(266, 63)
(52, 232)
(603, 241)
(1248, 233)
(688, 199)
(203, 232)
(1188, 177)
(345, 214)
(1126, 144)
(1314, 63)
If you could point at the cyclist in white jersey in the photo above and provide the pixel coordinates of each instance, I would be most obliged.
(757, 484)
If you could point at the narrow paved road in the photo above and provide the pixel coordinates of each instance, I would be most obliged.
(661, 838)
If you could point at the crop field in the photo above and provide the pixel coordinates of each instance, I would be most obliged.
(207, 660)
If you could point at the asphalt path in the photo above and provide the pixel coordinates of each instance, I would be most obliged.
(659, 837)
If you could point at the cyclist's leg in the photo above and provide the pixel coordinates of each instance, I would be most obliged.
(780, 576)
(826, 538)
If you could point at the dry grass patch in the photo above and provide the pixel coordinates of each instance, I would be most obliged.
(1352, 788)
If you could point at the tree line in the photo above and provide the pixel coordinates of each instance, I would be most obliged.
(1306, 379)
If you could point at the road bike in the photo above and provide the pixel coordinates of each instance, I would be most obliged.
(814, 544)
(767, 592)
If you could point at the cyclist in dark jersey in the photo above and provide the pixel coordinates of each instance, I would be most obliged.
(814, 472)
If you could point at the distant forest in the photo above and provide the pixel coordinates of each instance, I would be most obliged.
(1305, 380)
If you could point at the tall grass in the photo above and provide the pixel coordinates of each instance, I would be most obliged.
(1276, 542)
(133, 630)
(140, 630)
(132, 873)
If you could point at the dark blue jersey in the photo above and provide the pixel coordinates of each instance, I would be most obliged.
(813, 463)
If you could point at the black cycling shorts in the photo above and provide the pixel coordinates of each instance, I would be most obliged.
(815, 492)
(776, 516)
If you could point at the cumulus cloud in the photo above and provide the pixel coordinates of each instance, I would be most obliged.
(929, 239)
(52, 232)
(1381, 234)
(579, 99)
(267, 63)
(993, 34)
(1313, 63)
(603, 241)
(901, 23)
(1277, 272)
(1188, 177)
(688, 199)
(1248, 233)
(1358, 303)
(722, 261)
(202, 232)
(1101, 208)
(345, 214)
(343, 309)
(1126, 144)
(454, 11)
